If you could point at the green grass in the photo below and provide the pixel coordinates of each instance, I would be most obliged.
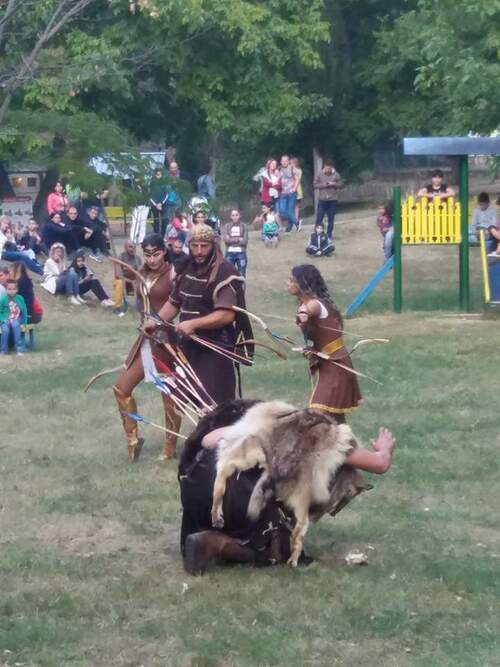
(90, 573)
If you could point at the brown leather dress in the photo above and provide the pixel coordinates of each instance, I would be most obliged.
(336, 390)
(160, 286)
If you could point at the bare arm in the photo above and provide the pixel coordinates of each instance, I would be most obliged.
(306, 311)
(379, 459)
(210, 440)
(168, 311)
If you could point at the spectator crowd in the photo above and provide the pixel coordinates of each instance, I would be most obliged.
(76, 227)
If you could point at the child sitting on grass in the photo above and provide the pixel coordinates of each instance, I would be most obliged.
(13, 315)
(320, 244)
(270, 227)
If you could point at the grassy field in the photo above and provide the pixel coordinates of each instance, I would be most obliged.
(90, 573)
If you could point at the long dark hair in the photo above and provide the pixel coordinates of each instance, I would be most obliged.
(78, 255)
(18, 272)
(311, 282)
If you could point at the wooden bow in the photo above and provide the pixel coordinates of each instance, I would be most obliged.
(101, 374)
(276, 338)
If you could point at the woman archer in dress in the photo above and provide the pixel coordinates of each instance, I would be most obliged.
(153, 292)
(336, 389)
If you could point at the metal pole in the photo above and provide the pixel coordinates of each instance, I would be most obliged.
(463, 168)
(396, 223)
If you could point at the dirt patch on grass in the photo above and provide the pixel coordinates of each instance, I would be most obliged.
(84, 534)
(119, 650)
(485, 537)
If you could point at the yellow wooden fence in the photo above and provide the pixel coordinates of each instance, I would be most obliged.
(430, 222)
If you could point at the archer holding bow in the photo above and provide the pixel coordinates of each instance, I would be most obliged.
(336, 389)
(213, 335)
(153, 284)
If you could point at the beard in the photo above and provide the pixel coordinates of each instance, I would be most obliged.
(203, 263)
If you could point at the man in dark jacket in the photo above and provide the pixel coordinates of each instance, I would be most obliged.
(328, 183)
(56, 230)
(158, 195)
(88, 233)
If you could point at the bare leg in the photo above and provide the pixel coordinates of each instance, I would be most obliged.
(129, 378)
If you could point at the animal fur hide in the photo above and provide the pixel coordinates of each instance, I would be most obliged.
(300, 452)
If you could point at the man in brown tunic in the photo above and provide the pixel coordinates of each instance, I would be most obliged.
(204, 296)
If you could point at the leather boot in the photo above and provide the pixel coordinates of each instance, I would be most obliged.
(173, 422)
(128, 404)
(209, 546)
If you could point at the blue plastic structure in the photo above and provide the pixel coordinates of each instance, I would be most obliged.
(363, 295)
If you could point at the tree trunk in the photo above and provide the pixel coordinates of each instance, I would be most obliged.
(213, 156)
(317, 166)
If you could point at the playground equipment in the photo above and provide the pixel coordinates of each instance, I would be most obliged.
(365, 292)
(436, 222)
(491, 274)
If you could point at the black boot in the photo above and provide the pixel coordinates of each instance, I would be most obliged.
(202, 549)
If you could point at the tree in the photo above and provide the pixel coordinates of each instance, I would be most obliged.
(436, 68)
(51, 18)
(218, 70)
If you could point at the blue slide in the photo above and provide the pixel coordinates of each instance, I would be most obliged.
(369, 287)
(494, 274)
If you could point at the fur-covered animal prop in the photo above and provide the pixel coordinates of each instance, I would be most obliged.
(300, 452)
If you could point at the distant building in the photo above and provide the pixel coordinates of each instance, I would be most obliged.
(19, 187)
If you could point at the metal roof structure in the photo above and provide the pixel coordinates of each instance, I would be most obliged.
(451, 146)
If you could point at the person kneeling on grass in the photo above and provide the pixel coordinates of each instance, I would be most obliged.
(84, 281)
(320, 245)
(266, 541)
(13, 316)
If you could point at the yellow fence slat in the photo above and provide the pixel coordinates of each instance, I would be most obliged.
(430, 222)
(424, 220)
(484, 264)
(418, 222)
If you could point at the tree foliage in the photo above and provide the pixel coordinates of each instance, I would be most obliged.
(436, 68)
(237, 80)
